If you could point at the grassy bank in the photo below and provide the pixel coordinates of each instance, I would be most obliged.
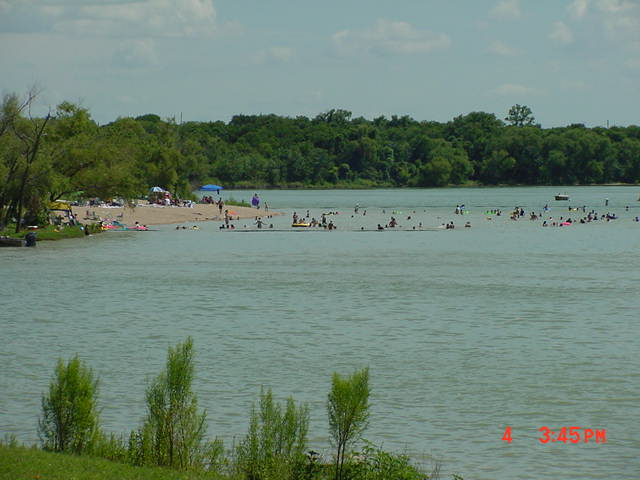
(21, 463)
(51, 232)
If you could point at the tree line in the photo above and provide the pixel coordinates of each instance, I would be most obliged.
(66, 153)
(173, 431)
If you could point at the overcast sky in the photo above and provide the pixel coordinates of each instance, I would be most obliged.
(570, 61)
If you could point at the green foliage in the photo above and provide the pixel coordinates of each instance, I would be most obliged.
(10, 440)
(69, 421)
(239, 203)
(497, 168)
(373, 463)
(174, 430)
(348, 411)
(274, 447)
(111, 447)
(173, 434)
(52, 232)
(520, 116)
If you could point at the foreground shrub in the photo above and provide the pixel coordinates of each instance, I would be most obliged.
(70, 420)
(348, 410)
(373, 463)
(274, 447)
(112, 447)
(174, 430)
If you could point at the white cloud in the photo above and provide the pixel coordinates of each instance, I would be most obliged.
(507, 9)
(513, 89)
(136, 53)
(615, 6)
(388, 36)
(573, 85)
(500, 48)
(621, 20)
(578, 8)
(231, 28)
(52, 10)
(132, 18)
(274, 55)
(561, 33)
(282, 54)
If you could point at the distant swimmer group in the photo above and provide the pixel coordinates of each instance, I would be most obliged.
(360, 219)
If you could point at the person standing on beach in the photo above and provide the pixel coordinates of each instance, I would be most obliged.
(220, 205)
(255, 201)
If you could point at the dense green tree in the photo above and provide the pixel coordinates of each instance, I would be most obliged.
(497, 168)
(628, 155)
(520, 116)
(525, 146)
(553, 167)
(435, 173)
(475, 132)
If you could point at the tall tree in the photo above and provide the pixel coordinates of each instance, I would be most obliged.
(520, 116)
(30, 133)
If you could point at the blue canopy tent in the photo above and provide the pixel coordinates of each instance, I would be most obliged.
(211, 188)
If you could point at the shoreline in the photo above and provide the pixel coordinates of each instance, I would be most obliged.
(146, 214)
(471, 184)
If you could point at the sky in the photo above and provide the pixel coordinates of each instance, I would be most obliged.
(570, 61)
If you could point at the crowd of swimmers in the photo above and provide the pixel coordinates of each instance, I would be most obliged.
(308, 221)
(591, 216)
(517, 213)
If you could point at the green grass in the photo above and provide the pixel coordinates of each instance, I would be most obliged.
(50, 232)
(22, 463)
(237, 203)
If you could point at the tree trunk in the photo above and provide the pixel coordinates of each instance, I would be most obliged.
(32, 153)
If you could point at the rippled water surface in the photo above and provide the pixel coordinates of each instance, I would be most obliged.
(465, 331)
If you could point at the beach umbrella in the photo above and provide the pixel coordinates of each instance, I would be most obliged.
(157, 190)
(211, 188)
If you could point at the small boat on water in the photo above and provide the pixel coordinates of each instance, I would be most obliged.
(561, 196)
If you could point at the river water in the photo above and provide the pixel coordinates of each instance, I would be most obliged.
(465, 331)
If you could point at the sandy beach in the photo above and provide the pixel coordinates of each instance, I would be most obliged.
(150, 215)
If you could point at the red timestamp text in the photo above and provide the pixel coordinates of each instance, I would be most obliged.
(573, 435)
(565, 435)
